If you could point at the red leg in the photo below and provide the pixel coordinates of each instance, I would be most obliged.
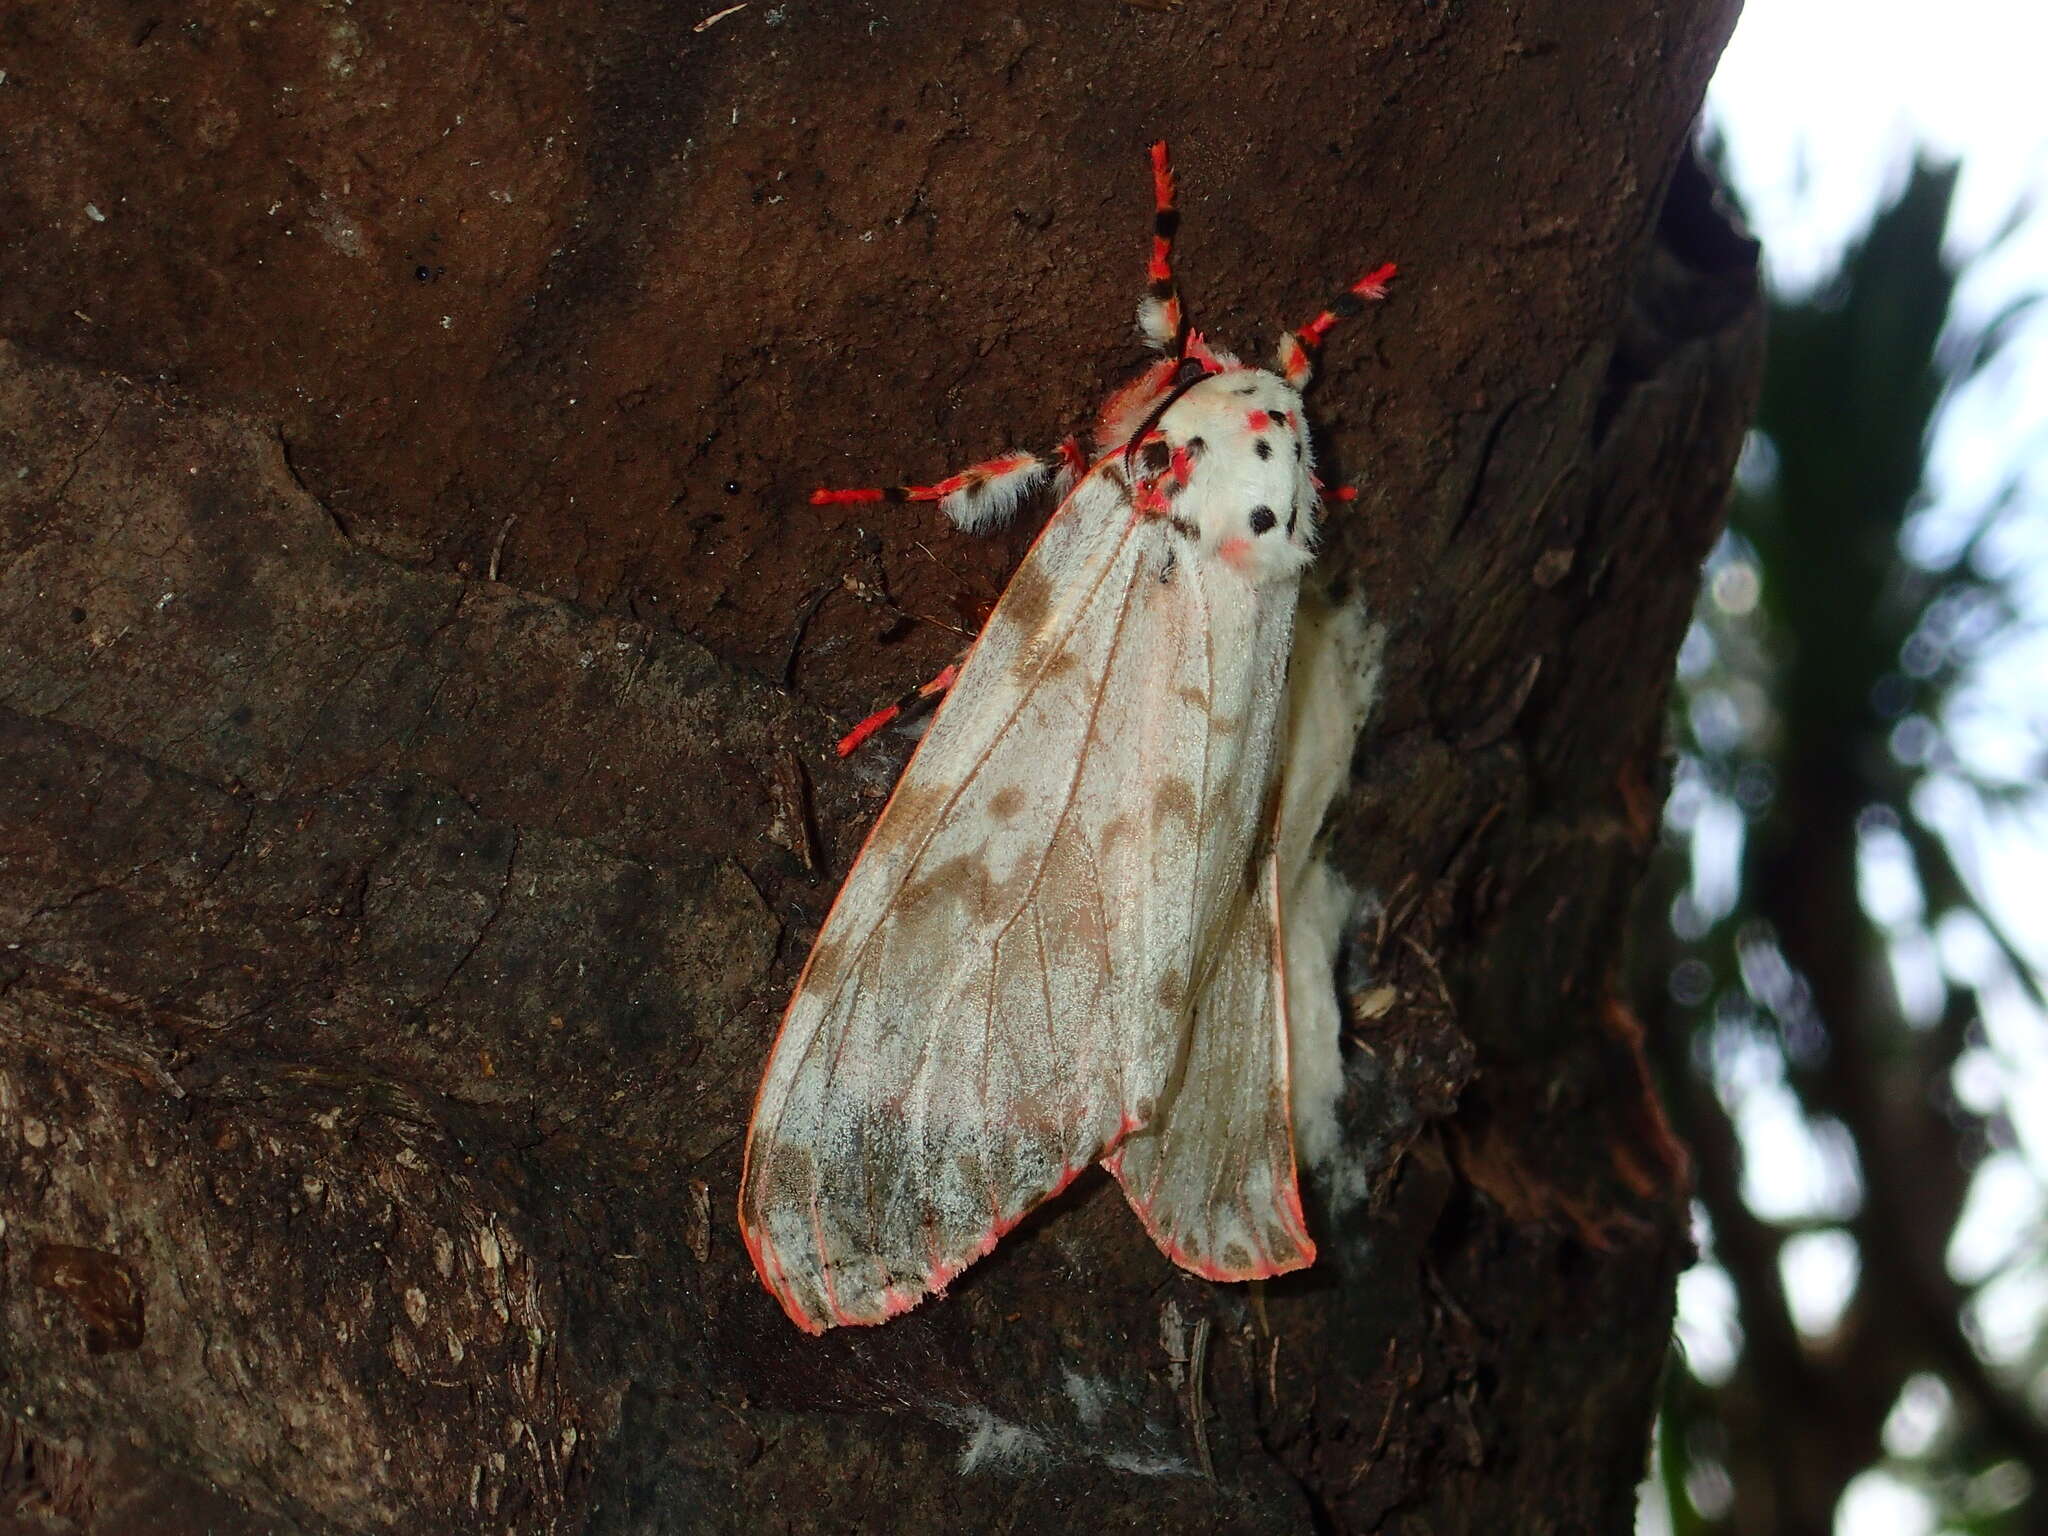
(1159, 313)
(980, 496)
(1298, 348)
(1341, 493)
(1073, 465)
(851, 741)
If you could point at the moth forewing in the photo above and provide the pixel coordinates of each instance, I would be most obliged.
(983, 1013)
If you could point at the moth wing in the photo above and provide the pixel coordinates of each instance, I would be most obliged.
(1000, 991)
(1213, 1175)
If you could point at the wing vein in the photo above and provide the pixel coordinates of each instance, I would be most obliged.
(1090, 739)
(1095, 887)
(1052, 1049)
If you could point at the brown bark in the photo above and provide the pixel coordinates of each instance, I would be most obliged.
(415, 650)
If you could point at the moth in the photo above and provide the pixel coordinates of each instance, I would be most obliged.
(1061, 944)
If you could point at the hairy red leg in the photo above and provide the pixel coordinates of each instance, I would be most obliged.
(851, 741)
(1298, 348)
(1159, 315)
(1073, 464)
(981, 496)
(971, 480)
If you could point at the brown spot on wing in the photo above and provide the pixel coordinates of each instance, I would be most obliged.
(1223, 803)
(963, 886)
(1061, 663)
(1027, 600)
(783, 1172)
(930, 898)
(1174, 798)
(822, 971)
(1007, 802)
(1071, 907)
(1172, 991)
(1116, 829)
(1083, 941)
(913, 808)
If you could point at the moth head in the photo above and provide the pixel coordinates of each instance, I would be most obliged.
(1229, 468)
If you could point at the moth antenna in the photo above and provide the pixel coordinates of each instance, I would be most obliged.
(1159, 313)
(1298, 349)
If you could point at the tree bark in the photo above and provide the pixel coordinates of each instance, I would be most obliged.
(418, 666)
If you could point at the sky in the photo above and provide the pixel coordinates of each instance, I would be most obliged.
(1820, 105)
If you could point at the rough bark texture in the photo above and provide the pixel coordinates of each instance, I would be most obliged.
(417, 663)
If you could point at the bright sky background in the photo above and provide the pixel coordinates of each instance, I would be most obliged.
(1821, 104)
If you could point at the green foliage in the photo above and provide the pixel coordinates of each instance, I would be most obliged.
(1818, 689)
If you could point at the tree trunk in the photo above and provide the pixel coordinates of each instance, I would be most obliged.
(418, 665)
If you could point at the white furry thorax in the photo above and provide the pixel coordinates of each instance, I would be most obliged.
(1229, 466)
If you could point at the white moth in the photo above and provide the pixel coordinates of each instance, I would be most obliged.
(1062, 942)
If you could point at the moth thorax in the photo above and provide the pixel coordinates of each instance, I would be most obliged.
(1233, 464)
